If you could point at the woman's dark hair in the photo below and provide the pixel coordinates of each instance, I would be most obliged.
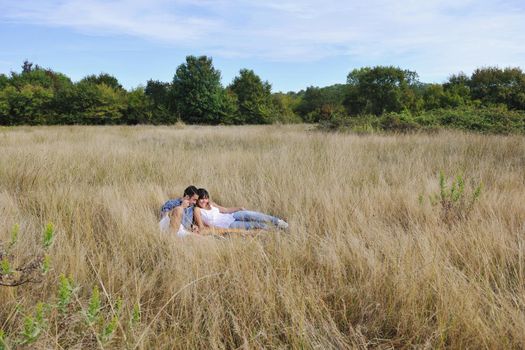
(202, 193)
(190, 191)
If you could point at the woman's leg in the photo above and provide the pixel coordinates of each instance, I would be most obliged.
(254, 216)
(249, 225)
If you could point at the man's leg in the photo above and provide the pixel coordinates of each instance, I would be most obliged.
(176, 218)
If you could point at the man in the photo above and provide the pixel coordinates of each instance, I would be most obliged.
(178, 213)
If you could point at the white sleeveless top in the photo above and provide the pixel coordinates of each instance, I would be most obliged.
(213, 217)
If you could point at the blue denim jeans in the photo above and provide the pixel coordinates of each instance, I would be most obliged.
(248, 220)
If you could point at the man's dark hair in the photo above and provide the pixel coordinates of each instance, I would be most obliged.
(190, 191)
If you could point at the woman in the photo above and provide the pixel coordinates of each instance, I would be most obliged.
(209, 214)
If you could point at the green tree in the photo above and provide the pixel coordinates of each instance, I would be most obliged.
(164, 108)
(30, 102)
(27, 67)
(64, 104)
(5, 108)
(433, 96)
(253, 97)
(4, 81)
(138, 110)
(310, 103)
(317, 104)
(103, 78)
(98, 104)
(198, 92)
(38, 76)
(28, 105)
(284, 105)
(381, 89)
(457, 90)
(228, 112)
(492, 85)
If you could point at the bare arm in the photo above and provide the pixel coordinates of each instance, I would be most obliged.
(176, 217)
(198, 218)
(227, 210)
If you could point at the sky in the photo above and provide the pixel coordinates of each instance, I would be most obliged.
(290, 43)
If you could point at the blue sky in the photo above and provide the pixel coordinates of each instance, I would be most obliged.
(292, 44)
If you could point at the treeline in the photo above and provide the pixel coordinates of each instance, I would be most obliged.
(373, 98)
(389, 98)
(37, 96)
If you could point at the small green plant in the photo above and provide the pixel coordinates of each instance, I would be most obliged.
(136, 315)
(118, 305)
(94, 306)
(40, 314)
(48, 235)
(14, 235)
(3, 345)
(33, 326)
(30, 332)
(5, 267)
(65, 292)
(109, 329)
(46, 264)
(34, 268)
(455, 203)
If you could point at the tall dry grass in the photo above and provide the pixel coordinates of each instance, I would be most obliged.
(368, 261)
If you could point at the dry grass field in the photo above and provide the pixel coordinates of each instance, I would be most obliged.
(370, 261)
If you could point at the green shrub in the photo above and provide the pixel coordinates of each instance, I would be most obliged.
(34, 325)
(48, 235)
(454, 201)
(65, 292)
(94, 306)
(399, 122)
(493, 120)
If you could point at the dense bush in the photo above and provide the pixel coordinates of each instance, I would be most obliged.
(485, 120)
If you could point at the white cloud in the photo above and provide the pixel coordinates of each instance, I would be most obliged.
(437, 36)
(127, 17)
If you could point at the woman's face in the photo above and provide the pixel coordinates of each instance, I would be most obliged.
(203, 202)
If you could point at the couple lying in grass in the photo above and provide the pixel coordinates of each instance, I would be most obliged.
(194, 213)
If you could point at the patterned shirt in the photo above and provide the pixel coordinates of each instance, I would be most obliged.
(187, 216)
